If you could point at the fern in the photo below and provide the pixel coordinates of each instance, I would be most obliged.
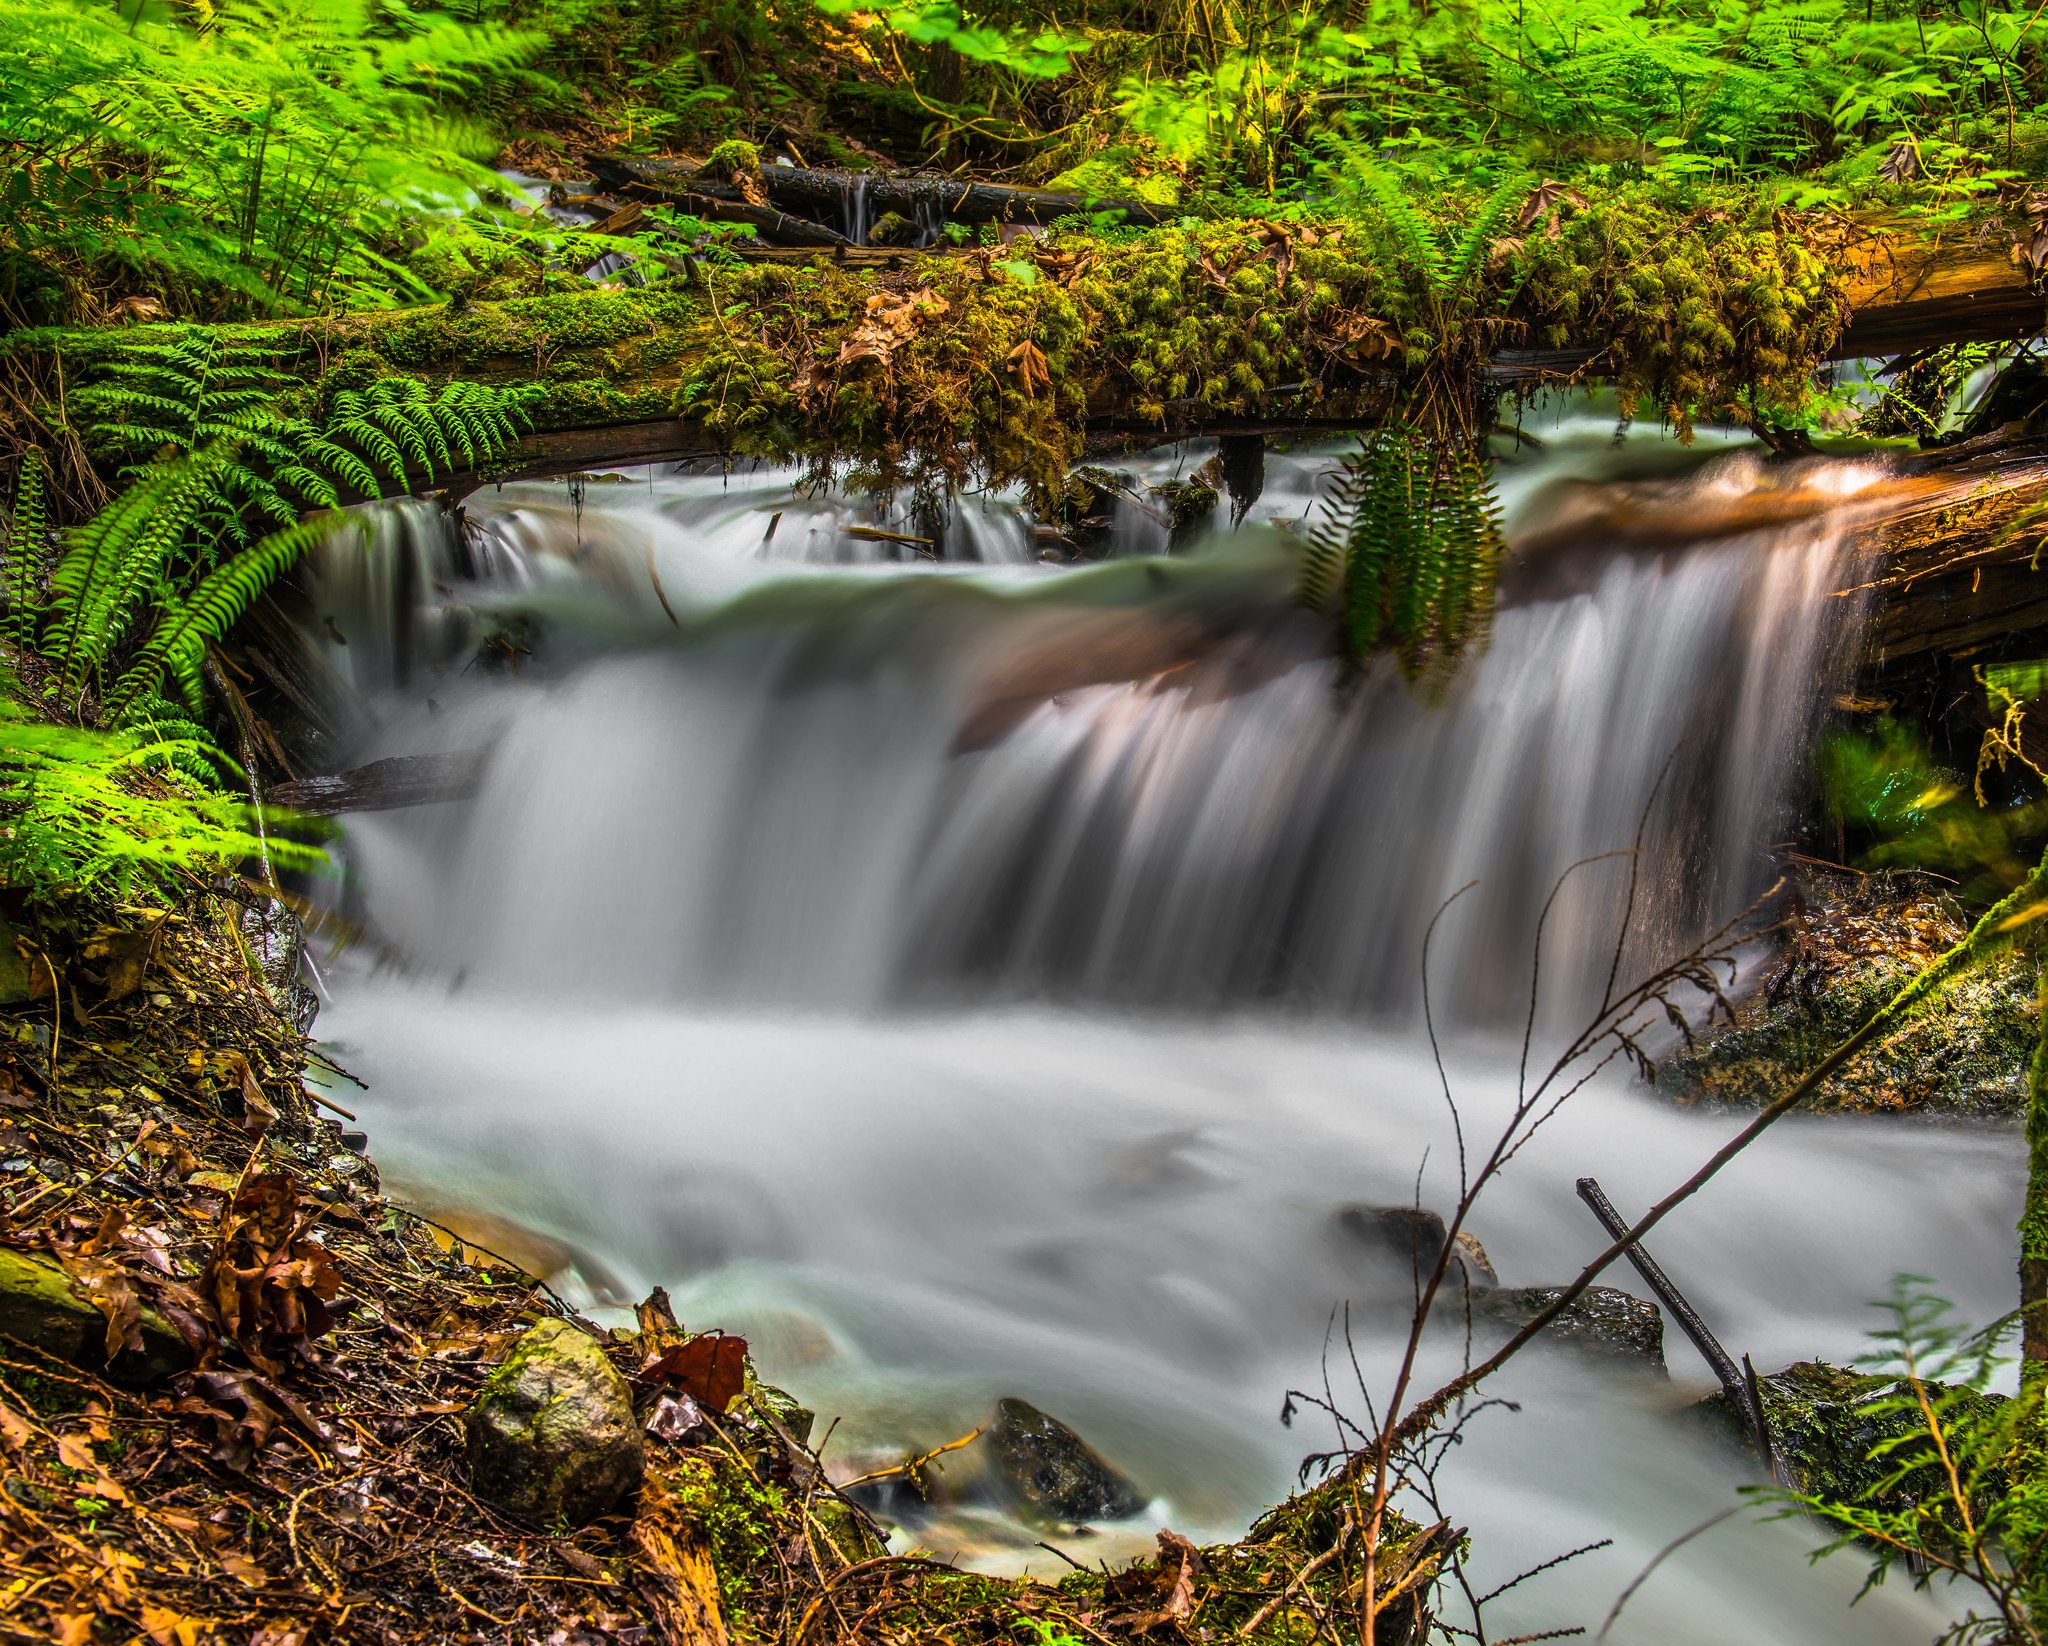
(93, 811)
(1409, 545)
(27, 532)
(111, 564)
(185, 624)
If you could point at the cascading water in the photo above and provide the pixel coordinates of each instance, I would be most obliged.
(775, 963)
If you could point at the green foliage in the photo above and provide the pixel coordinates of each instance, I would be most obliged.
(110, 812)
(1949, 1492)
(1409, 547)
(28, 530)
(251, 153)
(1900, 809)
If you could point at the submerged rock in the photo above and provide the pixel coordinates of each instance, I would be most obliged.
(552, 1438)
(40, 1305)
(1051, 1473)
(1602, 1318)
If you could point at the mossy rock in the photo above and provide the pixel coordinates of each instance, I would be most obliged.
(1826, 1421)
(1602, 1319)
(552, 1436)
(42, 1306)
(1965, 1053)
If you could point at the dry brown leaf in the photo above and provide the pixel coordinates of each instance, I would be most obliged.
(73, 1628)
(711, 1368)
(1028, 361)
(15, 1429)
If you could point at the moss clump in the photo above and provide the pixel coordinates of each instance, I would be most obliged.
(733, 159)
(988, 364)
(1855, 945)
(1709, 306)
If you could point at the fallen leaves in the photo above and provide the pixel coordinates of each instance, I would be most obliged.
(1159, 1595)
(891, 319)
(269, 1281)
(707, 1372)
(2031, 252)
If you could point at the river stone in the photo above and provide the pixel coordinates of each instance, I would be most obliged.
(1413, 1237)
(39, 1305)
(552, 1439)
(1603, 1318)
(1051, 1472)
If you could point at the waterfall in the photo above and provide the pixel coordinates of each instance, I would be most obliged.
(814, 819)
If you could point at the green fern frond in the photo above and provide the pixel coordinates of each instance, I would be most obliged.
(1411, 536)
(184, 625)
(27, 532)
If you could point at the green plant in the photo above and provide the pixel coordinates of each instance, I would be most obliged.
(241, 153)
(1956, 1487)
(111, 812)
(1409, 546)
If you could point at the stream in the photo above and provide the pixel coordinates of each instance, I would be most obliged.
(835, 941)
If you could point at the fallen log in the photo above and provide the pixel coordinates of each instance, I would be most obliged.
(819, 194)
(386, 785)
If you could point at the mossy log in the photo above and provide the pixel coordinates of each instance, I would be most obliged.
(1001, 364)
(821, 194)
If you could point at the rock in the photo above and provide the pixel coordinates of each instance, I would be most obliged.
(552, 1437)
(1413, 1237)
(16, 982)
(1856, 943)
(1051, 1473)
(1825, 1422)
(1603, 1319)
(768, 1402)
(39, 1304)
(277, 941)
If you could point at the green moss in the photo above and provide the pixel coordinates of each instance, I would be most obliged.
(987, 364)
(1827, 1422)
(732, 159)
(1964, 1053)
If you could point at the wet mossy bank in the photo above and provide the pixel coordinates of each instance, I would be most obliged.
(1850, 943)
(263, 1403)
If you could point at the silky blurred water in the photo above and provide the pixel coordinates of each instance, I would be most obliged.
(957, 1036)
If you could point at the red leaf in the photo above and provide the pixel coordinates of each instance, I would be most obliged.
(711, 1369)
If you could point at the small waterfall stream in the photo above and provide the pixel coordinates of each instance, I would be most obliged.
(957, 1036)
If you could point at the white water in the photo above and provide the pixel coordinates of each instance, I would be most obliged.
(746, 977)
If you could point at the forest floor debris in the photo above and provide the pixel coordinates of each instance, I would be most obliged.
(306, 1474)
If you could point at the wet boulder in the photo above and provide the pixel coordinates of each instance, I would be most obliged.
(41, 1305)
(1826, 1422)
(1412, 1238)
(552, 1437)
(1602, 1319)
(1050, 1473)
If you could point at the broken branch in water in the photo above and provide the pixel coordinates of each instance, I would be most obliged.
(1740, 1391)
